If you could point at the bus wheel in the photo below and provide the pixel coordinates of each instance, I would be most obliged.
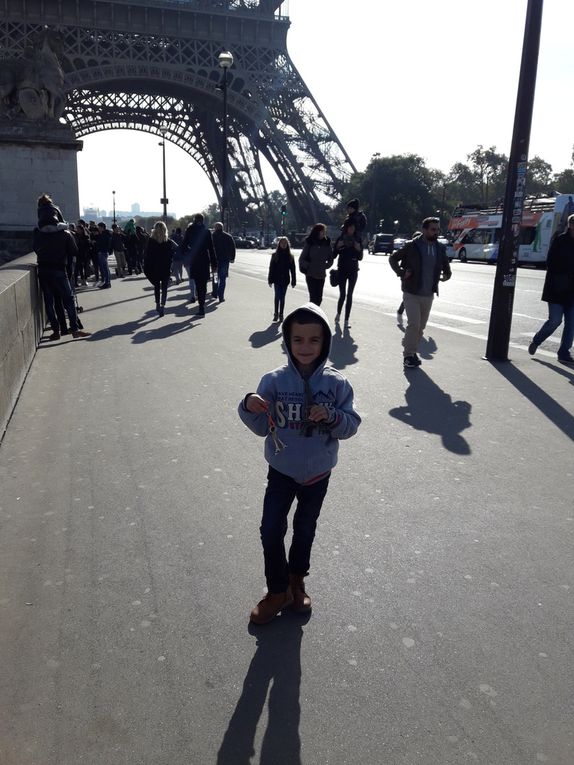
(462, 255)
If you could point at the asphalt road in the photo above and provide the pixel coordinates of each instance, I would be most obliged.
(464, 304)
(442, 578)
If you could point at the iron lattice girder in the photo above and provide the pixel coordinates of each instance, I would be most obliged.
(193, 129)
(271, 110)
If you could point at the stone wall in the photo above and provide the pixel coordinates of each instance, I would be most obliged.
(22, 321)
(36, 159)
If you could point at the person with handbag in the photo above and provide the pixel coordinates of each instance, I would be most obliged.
(281, 272)
(349, 251)
(316, 257)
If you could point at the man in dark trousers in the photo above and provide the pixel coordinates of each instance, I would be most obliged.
(421, 264)
(55, 245)
(225, 252)
(198, 245)
(558, 292)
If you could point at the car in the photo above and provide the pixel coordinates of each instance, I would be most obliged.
(399, 243)
(241, 243)
(382, 243)
(253, 241)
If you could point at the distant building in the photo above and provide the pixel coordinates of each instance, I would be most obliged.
(136, 208)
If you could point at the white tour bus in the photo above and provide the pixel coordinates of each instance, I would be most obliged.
(476, 233)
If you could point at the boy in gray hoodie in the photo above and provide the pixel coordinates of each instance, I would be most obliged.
(302, 409)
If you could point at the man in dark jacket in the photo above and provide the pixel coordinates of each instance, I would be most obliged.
(421, 264)
(55, 246)
(198, 245)
(224, 245)
(103, 244)
(558, 292)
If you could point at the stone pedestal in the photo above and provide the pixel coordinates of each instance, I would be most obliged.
(35, 158)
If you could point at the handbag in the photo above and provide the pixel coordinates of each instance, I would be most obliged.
(334, 277)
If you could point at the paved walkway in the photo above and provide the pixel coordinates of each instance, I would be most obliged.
(442, 576)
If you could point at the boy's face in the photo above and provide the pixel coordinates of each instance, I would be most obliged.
(306, 344)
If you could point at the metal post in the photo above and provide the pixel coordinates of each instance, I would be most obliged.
(114, 206)
(225, 60)
(164, 200)
(224, 154)
(507, 262)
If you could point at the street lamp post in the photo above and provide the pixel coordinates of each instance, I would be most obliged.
(114, 206)
(164, 200)
(225, 60)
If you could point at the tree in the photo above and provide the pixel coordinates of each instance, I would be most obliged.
(538, 178)
(490, 169)
(397, 188)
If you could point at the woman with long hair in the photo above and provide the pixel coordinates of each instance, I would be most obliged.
(157, 263)
(281, 272)
(349, 251)
(316, 257)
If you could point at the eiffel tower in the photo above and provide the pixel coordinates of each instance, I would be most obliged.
(152, 65)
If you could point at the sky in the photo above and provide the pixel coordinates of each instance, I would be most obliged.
(435, 79)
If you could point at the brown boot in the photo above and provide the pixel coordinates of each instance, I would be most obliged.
(80, 333)
(268, 608)
(301, 601)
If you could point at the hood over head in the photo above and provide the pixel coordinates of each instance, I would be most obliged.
(311, 314)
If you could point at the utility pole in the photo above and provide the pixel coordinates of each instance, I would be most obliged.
(507, 262)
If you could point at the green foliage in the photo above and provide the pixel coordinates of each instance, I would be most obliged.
(402, 188)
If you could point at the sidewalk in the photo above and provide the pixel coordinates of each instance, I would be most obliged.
(130, 496)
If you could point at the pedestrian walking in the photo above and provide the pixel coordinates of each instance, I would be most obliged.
(420, 264)
(157, 263)
(119, 250)
(224, 245)
(302, 410)
(131, 247)
(103, 243)
(316, 257)
(357, 217)
(55, 248)
(558, 292)
(198, 243)
(177, 261)
(281, 272)
(348, 251)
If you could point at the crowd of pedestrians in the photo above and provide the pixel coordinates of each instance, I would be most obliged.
(72, 256)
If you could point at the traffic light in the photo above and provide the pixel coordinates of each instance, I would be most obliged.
(283, 210)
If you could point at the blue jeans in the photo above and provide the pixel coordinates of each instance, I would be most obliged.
(279, 495)
(556, 311)
(104, 268)
(57, 283)
(222, 274)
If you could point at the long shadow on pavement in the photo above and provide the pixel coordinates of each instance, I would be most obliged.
(429, 408)
(265, 336)
(564, 371)
(276, 665)
(343, 348)
(549, 407)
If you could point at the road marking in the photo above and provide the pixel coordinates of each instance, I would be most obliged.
(552, 338)
(458, 318)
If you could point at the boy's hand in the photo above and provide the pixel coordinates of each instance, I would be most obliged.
(255, 404)
(318, 413)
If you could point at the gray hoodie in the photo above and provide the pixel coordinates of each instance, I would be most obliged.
(310, 449)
